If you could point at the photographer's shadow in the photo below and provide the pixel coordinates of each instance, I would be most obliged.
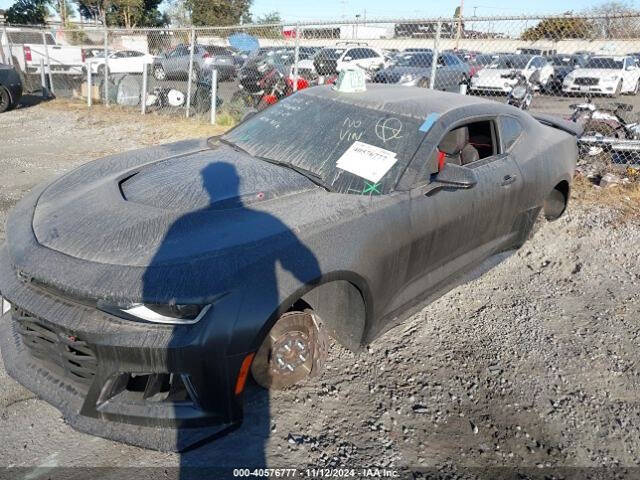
(244, 446)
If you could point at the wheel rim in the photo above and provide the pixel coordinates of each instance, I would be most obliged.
(293, 350)
(159, 73)
(4, 100)
(291, 353)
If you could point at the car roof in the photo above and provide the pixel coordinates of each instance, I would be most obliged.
(400, 100)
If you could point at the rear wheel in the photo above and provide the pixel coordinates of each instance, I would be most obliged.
(294, 349)
(159, 73)
(5, 100)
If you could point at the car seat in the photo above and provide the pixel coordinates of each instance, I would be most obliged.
(455, 148)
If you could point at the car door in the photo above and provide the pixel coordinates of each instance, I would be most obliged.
(171, 62)
(455, 229)
(371, 58)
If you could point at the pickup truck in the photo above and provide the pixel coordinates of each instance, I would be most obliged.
(25, 48)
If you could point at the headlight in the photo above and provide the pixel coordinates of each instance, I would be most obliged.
(518, 92)
(157, 313)
(407, 77)
(569, 78)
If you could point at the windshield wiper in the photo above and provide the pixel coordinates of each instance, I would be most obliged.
(314, 177)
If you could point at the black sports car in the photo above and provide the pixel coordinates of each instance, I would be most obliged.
(144, 288)
(10, 87)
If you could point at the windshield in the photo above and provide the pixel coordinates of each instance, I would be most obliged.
(332, 53)
(511, 61)
(561, 61)
(312, 133)
(604, 62)
(414, 60)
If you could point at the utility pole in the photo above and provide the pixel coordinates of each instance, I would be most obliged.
(459, 23)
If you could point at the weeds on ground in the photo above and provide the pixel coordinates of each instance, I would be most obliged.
(624, 198)
(157, 127)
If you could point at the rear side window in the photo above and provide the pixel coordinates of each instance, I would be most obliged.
(510, 131)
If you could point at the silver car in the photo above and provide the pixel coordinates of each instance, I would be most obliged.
(414, 69)
(206, 58)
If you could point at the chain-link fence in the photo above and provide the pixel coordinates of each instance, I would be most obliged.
(583, 68)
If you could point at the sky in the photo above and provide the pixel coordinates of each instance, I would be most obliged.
(295, 10)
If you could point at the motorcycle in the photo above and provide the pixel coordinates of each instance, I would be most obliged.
(610, 131)
(521, 94)
(266, 84)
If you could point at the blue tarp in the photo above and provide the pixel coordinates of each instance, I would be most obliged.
(243, 42)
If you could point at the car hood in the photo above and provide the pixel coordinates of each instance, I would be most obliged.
(198, 201)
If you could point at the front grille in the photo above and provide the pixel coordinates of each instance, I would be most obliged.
(586, 81)
(56, 349)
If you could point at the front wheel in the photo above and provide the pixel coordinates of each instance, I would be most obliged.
(295, 348)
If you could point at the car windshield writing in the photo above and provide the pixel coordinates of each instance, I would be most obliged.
(312, 133)
(604, 62)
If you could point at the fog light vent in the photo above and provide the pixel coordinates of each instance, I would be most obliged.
(148, 388)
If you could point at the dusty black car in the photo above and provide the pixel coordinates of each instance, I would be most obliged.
(143, 288)
(10, 87)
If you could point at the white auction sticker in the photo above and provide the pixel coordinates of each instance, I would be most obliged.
(367, 161)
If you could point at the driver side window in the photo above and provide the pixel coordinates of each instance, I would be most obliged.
(467, 144)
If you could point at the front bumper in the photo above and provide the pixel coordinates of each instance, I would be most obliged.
(154, 386)
(608, 87)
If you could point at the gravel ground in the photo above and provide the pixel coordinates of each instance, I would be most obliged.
(532, 365)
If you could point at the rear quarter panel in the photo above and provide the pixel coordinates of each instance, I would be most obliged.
(546, 156)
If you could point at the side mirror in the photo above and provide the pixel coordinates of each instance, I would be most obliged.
(346, 59)
(453, 175)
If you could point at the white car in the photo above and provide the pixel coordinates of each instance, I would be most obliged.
(335, 59)
(124, 61)
(608, 75)
(495, 77)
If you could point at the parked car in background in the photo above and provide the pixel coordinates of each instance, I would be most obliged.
(26, 49)
(414, 69)
(206, 58)
(562, 66)
(124, 61)
(604, 74)
(334, 59)
(10, 87)
(478, 62)
(498, 77)
(305, 60)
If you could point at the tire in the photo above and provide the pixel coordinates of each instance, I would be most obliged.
(295, 349)
(5, 100)
(129, 91)
(159, 73)
(101, 69)
(636, 88)
(554, 205)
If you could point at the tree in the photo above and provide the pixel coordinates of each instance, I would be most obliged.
(28, 12)
(271, 17)
(559, 28)
(218, 12)
(124, 13)
(617, 20)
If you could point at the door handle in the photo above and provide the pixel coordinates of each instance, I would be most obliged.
(508, 180)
